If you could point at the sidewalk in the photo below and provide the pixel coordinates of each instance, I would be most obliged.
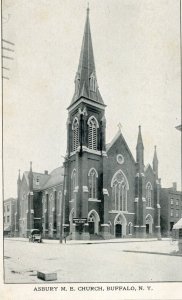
(78, 242)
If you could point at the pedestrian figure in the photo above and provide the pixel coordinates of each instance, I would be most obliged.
(65, 239)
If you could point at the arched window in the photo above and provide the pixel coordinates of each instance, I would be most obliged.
(119, 186)
(75, 128)
(93, 83)
(92, 182)
(92, 133)
(149, 194)
(73, 184)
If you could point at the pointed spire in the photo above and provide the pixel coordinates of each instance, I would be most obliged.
(30, 177)
(140, 150)
(86, 79)
(19, 178)
(155, 161)
(139, 140)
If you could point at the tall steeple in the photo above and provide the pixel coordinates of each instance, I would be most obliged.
(140, 149)
(85, 80)
(155, 162)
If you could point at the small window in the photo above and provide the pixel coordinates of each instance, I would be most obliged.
(177, 213)
(37, 180)
(172, 201)
(177, 202)
(8, 208)
(172, 213)
(7, 219)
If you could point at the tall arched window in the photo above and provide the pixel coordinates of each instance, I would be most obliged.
(73, 184)
(92, 182)
(119, 186)
(75, 128)
(92, 133)
(149, 194)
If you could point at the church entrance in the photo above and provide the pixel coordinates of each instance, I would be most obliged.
(93, 221)
(120, 226)
(149, 224)
(118, 230)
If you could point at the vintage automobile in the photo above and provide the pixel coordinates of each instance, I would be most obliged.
(35, 236)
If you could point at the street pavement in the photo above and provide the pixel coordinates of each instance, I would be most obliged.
(118, 260)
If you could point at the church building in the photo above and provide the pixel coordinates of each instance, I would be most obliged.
(107, 192)
(104, 191)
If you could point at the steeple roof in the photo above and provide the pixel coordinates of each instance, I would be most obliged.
(86, 80)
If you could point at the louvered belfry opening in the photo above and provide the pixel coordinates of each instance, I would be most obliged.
(92, 134)
(75, 135)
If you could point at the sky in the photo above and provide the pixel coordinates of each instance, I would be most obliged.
(137, 55)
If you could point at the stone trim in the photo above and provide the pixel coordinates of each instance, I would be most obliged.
(143, 226)
(157, 227)
(136, 199)
(120, 211)
(96, 104)
(149, 207)
(143, 199)
(32, 211)
(94, 200)
(158, 205)
(105, 192)
(76, 189)
(102, 225)
(85, 189)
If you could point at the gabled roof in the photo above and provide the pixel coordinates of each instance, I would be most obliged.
(148, 168)
(42, 179)
(86, 69)
(116, 137)
(56, 177)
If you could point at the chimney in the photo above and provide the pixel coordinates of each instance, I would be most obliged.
(46, 172)
(174, 186)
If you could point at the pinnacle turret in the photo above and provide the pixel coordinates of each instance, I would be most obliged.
(155, 162)
(140, 150)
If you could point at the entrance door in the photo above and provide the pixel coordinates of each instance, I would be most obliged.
(147, 228)
(118, 231)
(91, 227)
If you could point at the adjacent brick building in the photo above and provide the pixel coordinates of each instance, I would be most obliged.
(9, 216)
(171, 208)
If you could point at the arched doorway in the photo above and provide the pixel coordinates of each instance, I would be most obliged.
(149, 224)
(93, 221)
(119, 226)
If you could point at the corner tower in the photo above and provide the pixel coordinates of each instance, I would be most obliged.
(85, 148)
